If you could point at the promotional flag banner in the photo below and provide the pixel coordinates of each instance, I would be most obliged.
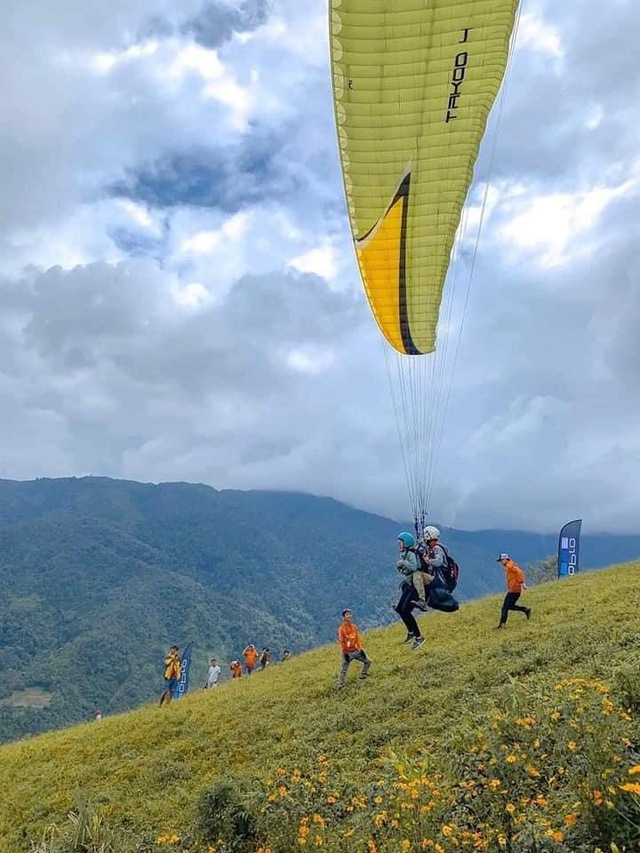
(569, 549)
(183, 684)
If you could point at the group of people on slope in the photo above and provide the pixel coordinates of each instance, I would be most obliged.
(422, 565)
(253, 660)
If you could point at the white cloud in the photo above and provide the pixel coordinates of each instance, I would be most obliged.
(539, 35)
(557, 226)
(321, 261)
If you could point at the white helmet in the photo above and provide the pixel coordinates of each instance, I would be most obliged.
(431, 533)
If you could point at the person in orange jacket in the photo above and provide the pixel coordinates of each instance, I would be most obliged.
(351, 647)
(250, 658)
(236, 669)
(515, 584)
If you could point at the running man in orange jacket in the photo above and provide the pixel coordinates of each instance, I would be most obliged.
(515, 584)
(351, 647)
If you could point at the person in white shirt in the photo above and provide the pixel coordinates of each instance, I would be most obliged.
(214, 674)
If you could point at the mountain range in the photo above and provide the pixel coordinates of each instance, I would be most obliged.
(99, 576)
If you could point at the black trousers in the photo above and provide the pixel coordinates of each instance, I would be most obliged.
(508, 604)
(404, 608)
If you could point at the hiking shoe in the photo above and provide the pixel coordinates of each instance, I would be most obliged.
(528, 613)
(409, 638)
(421, 603)
(419, 641)
(498, 626)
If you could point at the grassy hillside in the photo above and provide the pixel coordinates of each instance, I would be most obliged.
(98, 576)
(526, 739)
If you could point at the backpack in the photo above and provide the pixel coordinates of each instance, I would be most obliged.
(449, 573)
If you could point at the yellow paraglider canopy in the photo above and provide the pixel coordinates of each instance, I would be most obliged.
(414, 81)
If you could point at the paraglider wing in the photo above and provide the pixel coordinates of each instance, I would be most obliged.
(413, 82)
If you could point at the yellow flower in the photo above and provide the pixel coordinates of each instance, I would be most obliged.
(555, 715)
(632, 787)
(447, 830)
(319, 841)
(510, 808)
(406, 845)
(571, 819)
(511, 759)
(495, 783)
(371, 846)
(572, 745)
(532, 771)
(634, 770)
(331, 800)
(282, 791)
(377, 800)
(597, 797)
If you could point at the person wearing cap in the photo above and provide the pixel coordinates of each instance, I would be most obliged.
(172, 670)
(515, 578)
(351, 648)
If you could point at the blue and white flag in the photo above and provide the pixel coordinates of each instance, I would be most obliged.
(183, 684)
(569, 549)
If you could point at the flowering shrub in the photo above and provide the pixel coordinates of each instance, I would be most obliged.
(564, 775)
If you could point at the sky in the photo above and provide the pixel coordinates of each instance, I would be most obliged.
(179, 298)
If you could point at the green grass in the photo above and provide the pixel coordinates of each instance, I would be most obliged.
(419, 713)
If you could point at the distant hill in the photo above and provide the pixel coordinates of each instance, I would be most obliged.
(100, 576)
(524, 740)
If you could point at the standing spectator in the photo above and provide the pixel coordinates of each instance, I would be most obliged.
(250, 658)
(265, 656)
(172, 669)
(213, 678)
(351, 647)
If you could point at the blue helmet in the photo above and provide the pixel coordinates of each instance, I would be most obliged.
(407, 539)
